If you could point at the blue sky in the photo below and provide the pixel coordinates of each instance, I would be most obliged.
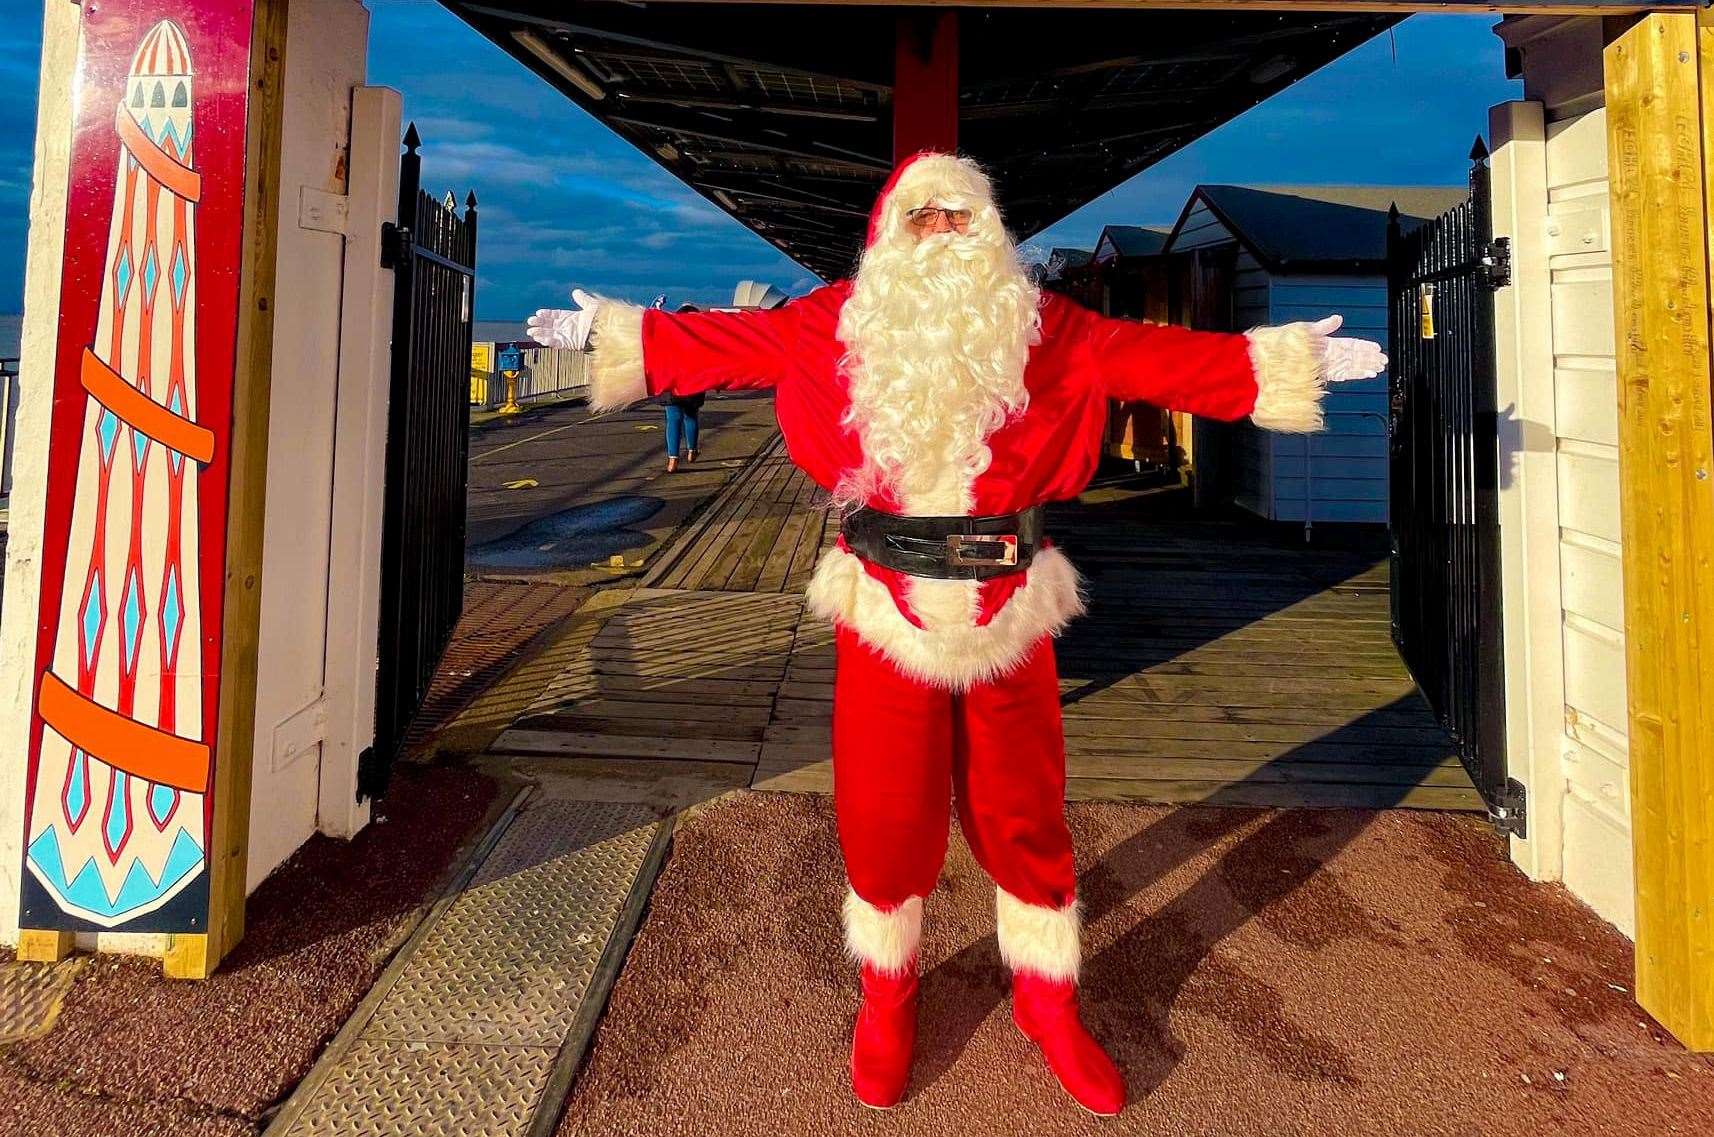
(565, 202)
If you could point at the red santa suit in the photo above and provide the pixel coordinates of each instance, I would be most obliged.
(946, 692)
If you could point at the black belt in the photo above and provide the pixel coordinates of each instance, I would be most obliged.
(947, 548)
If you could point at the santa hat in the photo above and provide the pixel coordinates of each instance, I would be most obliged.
(926, 175)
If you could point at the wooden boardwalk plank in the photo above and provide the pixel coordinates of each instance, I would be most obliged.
(1216, 664)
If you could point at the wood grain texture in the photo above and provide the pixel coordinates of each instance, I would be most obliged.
(1657, 92)
(36, 945)
(1215, 664)
(196, 957)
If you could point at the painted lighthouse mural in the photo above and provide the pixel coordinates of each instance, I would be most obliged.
(117, 826)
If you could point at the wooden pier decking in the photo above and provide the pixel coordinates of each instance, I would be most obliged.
(1217, 663)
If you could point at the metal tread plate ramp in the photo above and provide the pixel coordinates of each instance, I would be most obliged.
(478, 1025)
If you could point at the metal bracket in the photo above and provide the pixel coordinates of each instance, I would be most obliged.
(1497, 262)
(1508, 813)
(396, 242)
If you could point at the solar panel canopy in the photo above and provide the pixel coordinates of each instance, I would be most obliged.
(782, 114)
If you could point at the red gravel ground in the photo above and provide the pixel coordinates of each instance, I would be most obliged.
(134, 1055)
(1255, 972)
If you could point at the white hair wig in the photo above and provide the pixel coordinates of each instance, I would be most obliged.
(937, 331)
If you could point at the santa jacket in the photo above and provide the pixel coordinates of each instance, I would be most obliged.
(954, 633)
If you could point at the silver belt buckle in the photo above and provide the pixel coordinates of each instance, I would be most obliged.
(958, 553)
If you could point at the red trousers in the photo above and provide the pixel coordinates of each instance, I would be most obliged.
(904, 753)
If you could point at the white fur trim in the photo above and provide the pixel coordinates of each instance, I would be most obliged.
(616, 368)
(886, 941)
(948, 651)
(1289, 385)
(1039, 940)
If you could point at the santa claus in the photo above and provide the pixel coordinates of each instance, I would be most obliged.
(942, 398)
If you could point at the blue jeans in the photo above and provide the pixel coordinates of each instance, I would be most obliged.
(681, 424)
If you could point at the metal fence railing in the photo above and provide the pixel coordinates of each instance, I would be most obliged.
(1445, 480)
(9, 415)
(548, 373)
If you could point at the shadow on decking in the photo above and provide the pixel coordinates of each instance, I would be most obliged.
(1220, 662)
(1224, 661)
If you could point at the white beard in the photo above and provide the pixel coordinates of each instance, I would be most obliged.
(937, 333)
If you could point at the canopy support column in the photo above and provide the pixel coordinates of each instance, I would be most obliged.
(925, 83)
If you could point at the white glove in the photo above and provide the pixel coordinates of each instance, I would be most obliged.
(1345, 358)
(565, 327)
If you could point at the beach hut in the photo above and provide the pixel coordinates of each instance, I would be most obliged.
(1261, 254)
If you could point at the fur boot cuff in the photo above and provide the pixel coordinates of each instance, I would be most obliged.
(1038, 940)
(885, 939)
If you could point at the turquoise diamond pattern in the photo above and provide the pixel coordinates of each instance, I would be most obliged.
(131, 618)
(122, 273)
(171, 612)
(161, 802)
(151, 273)
(107, 429)
(175, 403)
(77, 789)
(139, 448)
(118, 825)
(180, 276)
(94, 615)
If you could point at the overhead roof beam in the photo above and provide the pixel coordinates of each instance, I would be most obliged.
(795, 203)
(670, 127)
(668, 46)
(750, 108)
(1523, 7)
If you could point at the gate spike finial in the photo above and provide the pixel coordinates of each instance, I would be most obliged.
(470, 200)
(1479, 150)
(413, 140)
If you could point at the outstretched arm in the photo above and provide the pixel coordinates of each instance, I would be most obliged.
(1277, 376)
(640, 352)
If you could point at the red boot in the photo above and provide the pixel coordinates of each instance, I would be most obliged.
(886, 1033)
(1046, 1011)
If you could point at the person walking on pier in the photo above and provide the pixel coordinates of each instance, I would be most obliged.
(684, 419)
(942, 399)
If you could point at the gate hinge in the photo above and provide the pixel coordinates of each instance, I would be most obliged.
(396, 243)
(1497, 262)
(1508, 813)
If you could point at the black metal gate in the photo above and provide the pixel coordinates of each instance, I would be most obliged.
(432, 252)
(1445, 479)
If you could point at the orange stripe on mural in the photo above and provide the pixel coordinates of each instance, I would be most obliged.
(160, 165)
(123, 743)
(142, 413)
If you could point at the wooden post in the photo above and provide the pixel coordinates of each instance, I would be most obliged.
(196, 956)
(925, 83)
(1658, 122)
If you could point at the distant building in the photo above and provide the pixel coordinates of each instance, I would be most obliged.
(1250, 255)
(1059, 260)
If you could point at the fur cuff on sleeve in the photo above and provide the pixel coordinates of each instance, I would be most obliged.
(616, 367)
(1286, 362)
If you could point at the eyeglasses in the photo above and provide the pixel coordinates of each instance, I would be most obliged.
(957, 219)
